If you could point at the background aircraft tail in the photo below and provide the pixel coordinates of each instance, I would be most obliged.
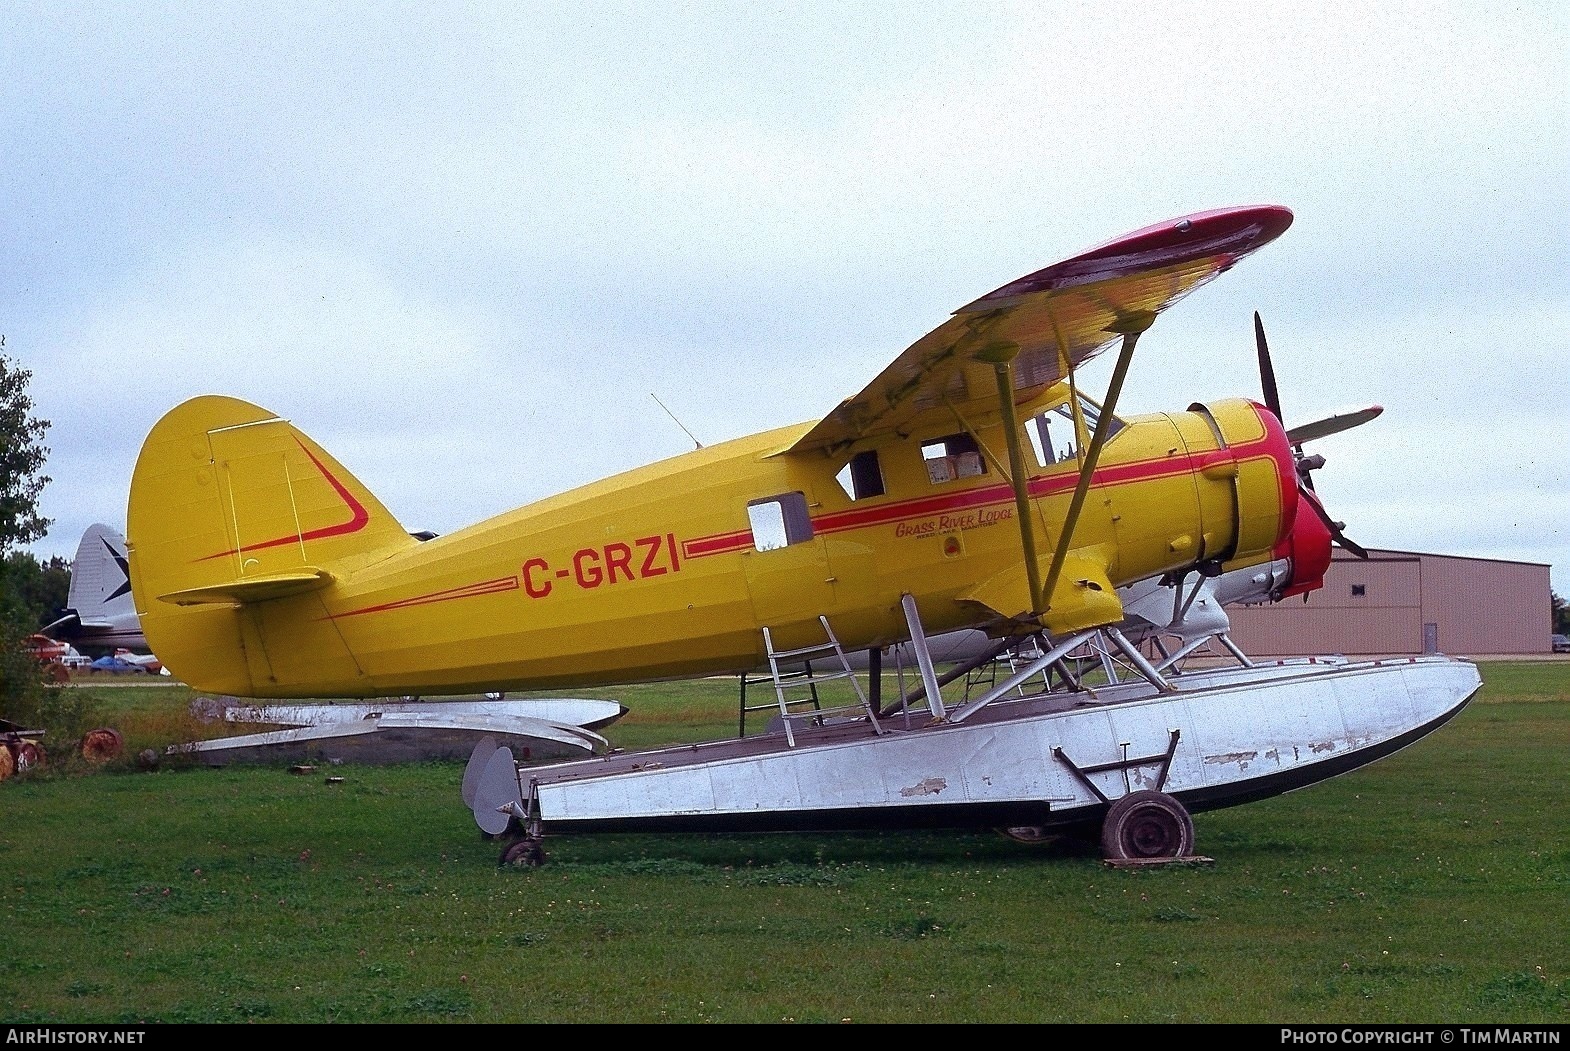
(100, 583)
(237, 523)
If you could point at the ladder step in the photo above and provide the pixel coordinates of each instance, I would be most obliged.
(790, 673)
(824, 648)
(817, 676)
(832, 675)
(824, 713)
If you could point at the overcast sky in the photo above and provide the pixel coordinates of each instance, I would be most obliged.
(465, 246)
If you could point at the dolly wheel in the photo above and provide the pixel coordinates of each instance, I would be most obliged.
(1145, 825)
(524, 853)
(1027, 833)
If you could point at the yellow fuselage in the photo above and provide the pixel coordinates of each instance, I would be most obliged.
(658, 573)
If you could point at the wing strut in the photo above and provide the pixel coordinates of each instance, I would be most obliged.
(1002, 355)
(1130, 326)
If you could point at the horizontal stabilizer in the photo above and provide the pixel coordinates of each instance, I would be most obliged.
(252, 589)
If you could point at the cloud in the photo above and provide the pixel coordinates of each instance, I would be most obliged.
(462, 247)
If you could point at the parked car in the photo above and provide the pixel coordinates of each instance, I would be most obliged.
(1561, 644)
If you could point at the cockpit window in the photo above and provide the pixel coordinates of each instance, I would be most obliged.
(951, 457)
(1052, 435)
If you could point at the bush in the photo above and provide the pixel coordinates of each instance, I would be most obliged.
(25, 698)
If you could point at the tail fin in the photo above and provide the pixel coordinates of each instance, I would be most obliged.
(232, 507)
(100, 591)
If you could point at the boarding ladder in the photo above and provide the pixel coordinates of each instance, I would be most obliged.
(796, 683)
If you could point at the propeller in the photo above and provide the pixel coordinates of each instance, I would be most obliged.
(1306, 465)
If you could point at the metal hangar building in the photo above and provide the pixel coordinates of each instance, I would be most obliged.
(1407, 603)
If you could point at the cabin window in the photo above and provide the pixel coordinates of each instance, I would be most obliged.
(862, 477)
(779, 521)
(1359, 590)
(951, 457)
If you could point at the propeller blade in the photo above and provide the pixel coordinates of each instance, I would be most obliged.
(1336, 534)
(1267, 382)
(1267, 372)
(1332, 425)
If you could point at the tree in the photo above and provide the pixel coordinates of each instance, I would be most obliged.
(43, 588)
(1559, 610)
(22, 456)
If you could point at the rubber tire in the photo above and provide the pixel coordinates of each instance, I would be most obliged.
(1146, 825)
(1027, 833)
(524, 853)
(102, 745)
(29, 756)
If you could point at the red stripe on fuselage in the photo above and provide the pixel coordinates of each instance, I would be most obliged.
(972, 499)
(1001, 493)
(718, 544)
(486, 587)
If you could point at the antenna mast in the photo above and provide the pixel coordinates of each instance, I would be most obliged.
(678, 423)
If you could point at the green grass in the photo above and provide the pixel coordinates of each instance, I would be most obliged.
(1429, 887)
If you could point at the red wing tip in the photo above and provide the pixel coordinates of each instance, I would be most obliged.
(1223, 234)
(1271, 219)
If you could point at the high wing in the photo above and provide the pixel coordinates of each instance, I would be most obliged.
(1057, 318)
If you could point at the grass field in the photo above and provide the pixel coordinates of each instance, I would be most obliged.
(1429, 887)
